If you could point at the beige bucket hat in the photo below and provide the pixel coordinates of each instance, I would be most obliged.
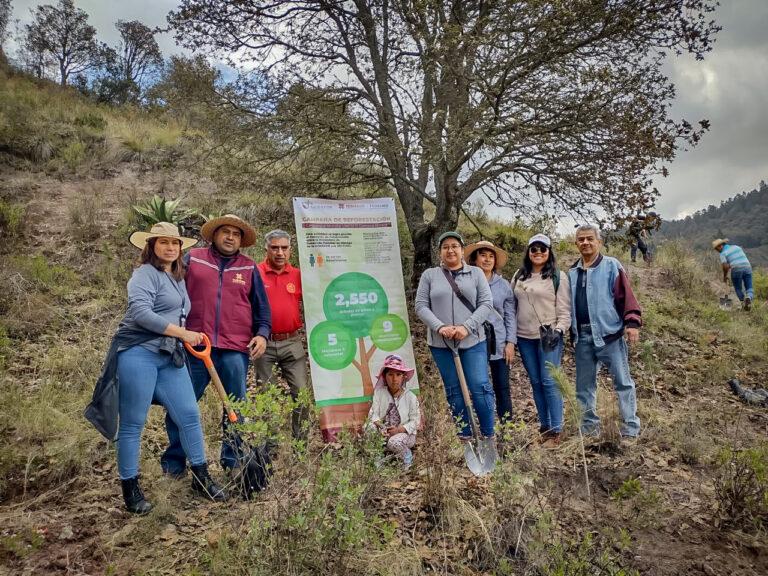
(161, 230)
(716, 243)
(501, 255)
(209, 228)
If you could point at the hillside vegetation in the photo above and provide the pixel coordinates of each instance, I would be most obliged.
(690, 498)
(742, 219)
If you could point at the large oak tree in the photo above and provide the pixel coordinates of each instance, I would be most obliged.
(528, 101)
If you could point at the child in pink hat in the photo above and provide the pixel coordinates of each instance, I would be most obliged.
(395, 411)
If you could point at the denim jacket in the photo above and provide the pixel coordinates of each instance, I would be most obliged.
(612, 304)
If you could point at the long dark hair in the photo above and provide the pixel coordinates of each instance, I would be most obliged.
(148, 256)
(527, 268)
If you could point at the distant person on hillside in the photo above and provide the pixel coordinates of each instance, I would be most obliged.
(394, 410)
(637, 236)
(491, 259)
(733, 258)
(604, 311)
(453, 300)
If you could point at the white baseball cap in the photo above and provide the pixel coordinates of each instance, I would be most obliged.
(541, 239)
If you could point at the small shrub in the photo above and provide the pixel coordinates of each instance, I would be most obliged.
(11, 219)
(158, 209)
(741, 487)
(760, 284)
(45, 276)
(73, 154)
(91, 120)
(85, 216)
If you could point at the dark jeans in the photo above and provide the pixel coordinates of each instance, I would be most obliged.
(500, 379)
(742, 283)
(232, 367)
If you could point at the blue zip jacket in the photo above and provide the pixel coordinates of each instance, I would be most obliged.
(612, 304)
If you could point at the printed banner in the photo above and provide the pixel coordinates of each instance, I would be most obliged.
(354, 302)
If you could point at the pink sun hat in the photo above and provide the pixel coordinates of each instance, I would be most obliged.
(394, 362)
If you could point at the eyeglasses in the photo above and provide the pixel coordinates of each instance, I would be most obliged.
(538, 249)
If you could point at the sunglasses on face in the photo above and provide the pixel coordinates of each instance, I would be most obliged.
(538, 249)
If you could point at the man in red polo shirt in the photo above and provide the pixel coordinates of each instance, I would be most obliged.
(285, 347)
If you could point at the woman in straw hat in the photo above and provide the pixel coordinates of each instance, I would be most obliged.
(395, 410)
(151, 361)
(491, 259)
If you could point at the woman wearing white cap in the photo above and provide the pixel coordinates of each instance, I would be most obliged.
(543, 315)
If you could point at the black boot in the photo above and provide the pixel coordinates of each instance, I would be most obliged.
(134, 497)
(203, 484)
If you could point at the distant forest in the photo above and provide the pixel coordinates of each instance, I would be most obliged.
(743, 219)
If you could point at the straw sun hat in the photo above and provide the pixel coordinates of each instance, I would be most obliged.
(210, 227)
(161, 230)
(501, 255)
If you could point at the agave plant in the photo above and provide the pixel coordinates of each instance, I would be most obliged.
(158, 209)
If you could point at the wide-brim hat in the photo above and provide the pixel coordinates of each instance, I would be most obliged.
(210, 227)
(501, 255)
(718, 242)
(394, 362)
(161, 230)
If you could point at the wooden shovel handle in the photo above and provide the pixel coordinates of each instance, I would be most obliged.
(205, 356)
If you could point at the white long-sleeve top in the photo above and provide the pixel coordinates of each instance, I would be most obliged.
(407, 406)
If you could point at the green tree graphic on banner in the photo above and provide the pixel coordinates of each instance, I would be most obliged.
(356, 307)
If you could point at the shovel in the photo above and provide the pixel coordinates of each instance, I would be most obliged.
(254, 463)
(205, 356)
(479, 453)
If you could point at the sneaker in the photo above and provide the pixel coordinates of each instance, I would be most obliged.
(628, 441)
(747, 304)
(553, 440)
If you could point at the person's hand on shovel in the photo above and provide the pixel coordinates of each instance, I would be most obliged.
(257, 346)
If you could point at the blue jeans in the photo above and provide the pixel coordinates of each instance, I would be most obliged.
(546, 394)
(232, 367)
(614, 357)
(742, 282)
(474, 362)
(500, 379)
(145, 375)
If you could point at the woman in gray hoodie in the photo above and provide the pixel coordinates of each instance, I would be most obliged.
(454, 324)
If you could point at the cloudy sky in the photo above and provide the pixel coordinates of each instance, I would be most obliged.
(730, 88)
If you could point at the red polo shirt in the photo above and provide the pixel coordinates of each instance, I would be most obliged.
(284, 294)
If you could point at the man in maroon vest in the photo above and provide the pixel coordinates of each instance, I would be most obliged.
(230, 305)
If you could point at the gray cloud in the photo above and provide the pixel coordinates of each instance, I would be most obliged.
(729, 88)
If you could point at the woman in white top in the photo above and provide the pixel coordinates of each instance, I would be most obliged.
(395, 410)
(543, 301)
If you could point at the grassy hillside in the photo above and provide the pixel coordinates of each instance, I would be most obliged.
(741, 219)
(690, 498)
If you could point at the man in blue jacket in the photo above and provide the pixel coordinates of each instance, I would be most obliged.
(604, 311)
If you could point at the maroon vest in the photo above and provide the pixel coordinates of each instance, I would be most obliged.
(220, 299)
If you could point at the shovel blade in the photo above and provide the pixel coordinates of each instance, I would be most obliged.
(726, 303)
(480, 456)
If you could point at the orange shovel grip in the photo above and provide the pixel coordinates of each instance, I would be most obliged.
(204, 354)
